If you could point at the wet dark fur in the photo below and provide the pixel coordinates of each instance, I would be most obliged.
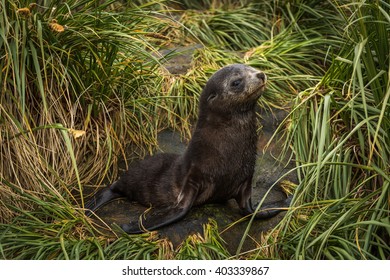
(218, 164)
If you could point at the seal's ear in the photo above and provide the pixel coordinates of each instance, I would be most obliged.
(211, 97)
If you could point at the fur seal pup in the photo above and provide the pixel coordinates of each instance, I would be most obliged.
(217, 165)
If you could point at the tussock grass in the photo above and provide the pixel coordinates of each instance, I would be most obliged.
(283, 59)
(223, 29)
(72, 94)
(340, 136)
(210, 246)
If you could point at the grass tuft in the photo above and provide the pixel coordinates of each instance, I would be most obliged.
(340, 139)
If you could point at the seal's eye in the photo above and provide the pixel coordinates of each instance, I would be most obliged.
(236, 83)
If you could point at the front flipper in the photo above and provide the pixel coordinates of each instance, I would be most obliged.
(267, 210)
(101, 198)
(155, 218)
(159, 217)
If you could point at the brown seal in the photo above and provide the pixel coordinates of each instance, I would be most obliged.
(217, 165)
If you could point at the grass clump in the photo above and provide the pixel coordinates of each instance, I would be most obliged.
(339, 132)
(72, 92)
(210, 246)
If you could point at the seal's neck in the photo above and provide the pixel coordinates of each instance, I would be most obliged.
(232, 118)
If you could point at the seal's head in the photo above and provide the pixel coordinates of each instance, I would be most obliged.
(234, 88)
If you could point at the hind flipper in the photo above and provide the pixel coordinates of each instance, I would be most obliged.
(101, 198)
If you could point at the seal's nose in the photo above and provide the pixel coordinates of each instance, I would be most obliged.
(261, 76)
